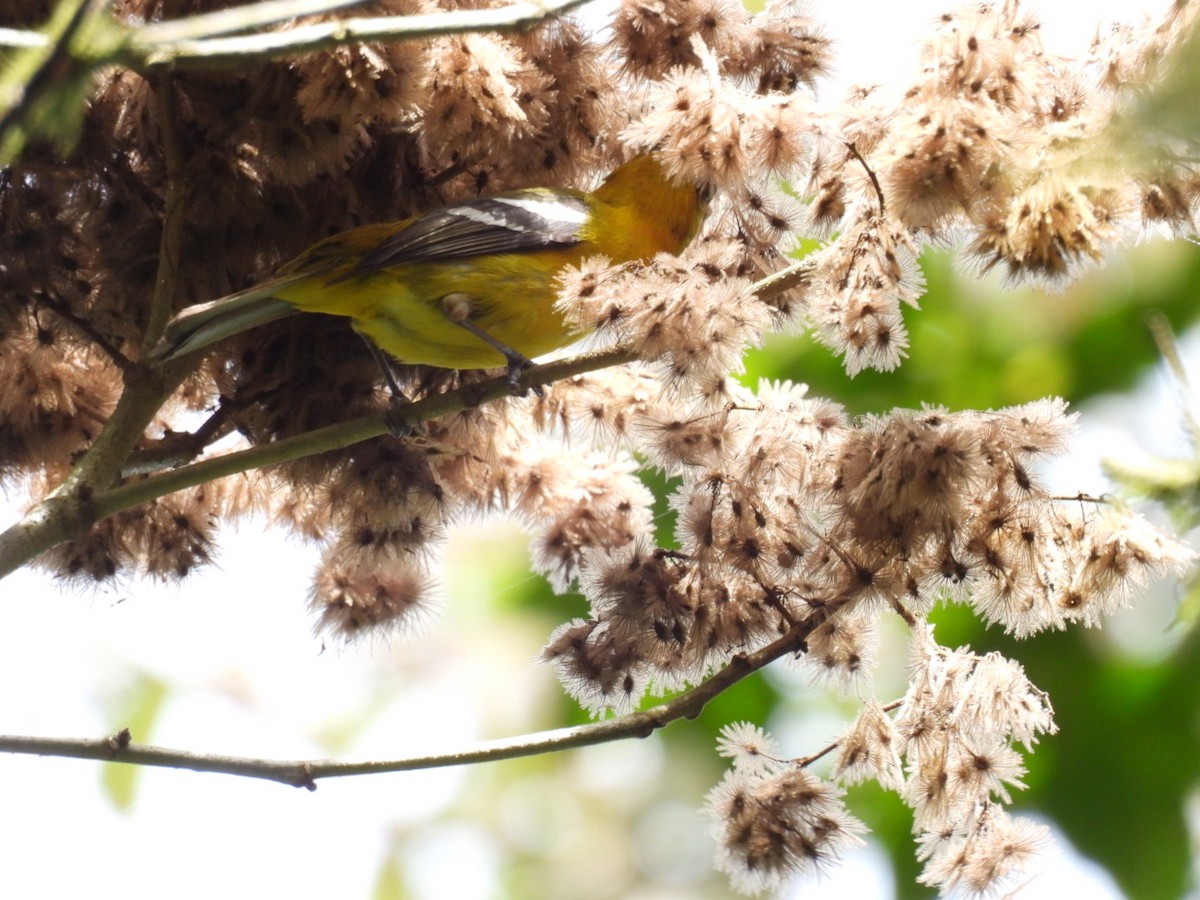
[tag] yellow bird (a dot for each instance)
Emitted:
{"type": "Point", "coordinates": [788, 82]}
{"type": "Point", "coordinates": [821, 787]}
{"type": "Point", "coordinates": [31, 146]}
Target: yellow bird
{"type": "Point", "coordinates": [467, 286]}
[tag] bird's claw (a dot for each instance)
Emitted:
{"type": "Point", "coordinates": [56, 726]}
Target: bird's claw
{"type": "Point", "coordinates": [516, 368]}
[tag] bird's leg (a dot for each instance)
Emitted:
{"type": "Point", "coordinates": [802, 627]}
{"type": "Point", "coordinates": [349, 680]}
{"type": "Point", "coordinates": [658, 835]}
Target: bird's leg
{"type": "Point", "coordinates": [457, 308]}
{"type": "Point", "coordinates": [399, 400]}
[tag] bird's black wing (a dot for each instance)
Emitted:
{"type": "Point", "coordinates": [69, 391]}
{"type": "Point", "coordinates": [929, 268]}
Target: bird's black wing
{"type": "Point", "coordinates": [514, 223]}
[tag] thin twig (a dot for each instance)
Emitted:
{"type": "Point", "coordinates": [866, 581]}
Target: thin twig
{"type": "Point", "coordinates": [304, 773]}
{"type": "Point", "coordinates": [205, 25]}
{"type": "Point", "coordinates": [451, 171]}
{"type": "Point", "coordinates": [902, 611]}
{"type": "Point", "coordinates": [170, 247]}
{"type": "Point", "coordinates": [21, 40]}
{"type": "Point", "coordinates": [176, 449]}
{"type": "Point", "coordinates": [871, 174]}
{"type": "Point", "coordinates": [805, 761]}
{"type": "Point", "coordinates": [795, 275]}
{"type": "Point", "coordinates": [86, 329]}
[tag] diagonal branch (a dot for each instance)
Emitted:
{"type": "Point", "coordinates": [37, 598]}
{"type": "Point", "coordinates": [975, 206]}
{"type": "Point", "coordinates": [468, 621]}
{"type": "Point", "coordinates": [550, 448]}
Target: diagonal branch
{"type": "Point", "coordinates": [81, 502]}
{"type": "Point", "coordinates": [344, 434]}
{"type": "Point", "coordinates": [64, 516]}
{"type": "Point", "coordinates": [175, 200]}
{"type": "Point", "coordinates": [85, 328]}
{"type": "Point", "coordinates": [304, 773]}
{"type": "Point", "coordinates": [20, 93]}
{"type": "Point", "coordinates": [146, 50]}
{"type": "Point", "coordinates": [69, 509]}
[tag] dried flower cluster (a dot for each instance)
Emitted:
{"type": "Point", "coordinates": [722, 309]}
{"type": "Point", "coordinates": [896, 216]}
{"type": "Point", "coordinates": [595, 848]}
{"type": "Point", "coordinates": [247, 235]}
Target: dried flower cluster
{"type": "Point", "coordinates": [791, 518]}
{"type": "Point", "coordinates": [771, 817]}
{"type": "Point", "coordinates": [999, 144]}
{"type": "Point", "coordinates": [947, 749]}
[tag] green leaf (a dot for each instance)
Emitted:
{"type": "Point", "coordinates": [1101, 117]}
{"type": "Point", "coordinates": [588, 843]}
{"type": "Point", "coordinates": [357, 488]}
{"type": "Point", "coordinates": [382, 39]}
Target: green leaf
{"type": "Point", "coordinates": [390, 883]}
{"type": "Point", "coordinates": [138, 709]}
{"type": "Point", "coordinates": [44, 90]}
{"type": "Point", "coordinates": [1116, 776]}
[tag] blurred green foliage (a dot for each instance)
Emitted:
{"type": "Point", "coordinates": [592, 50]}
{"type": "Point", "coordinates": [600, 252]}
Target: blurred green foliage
{"type": "Point", "coordinates": [43, 89]}
{"type": "Point", "coordinates": [138, 705]}
{"type": "Point", "coordinates": [975, 345]}
{"type": "Point", "coordinates": [1117, 775]}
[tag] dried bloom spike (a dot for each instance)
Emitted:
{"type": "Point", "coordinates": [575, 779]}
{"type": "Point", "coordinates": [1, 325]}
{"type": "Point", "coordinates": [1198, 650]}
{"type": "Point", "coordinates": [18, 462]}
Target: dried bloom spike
{"type": "Point", "coordinates": [653, 36]}
{"type": "Point", "coordinates": [956, 727]}
{"type": "Point", "coordinates": [1003, 702]}
{"type": "Point", "coordinates": [869, 750]}
{"type": "Point", "coordinates": [600, 666]}
{"type": "Point", "coordinates": [677, 312]}
{"type": "Point", "coordinates": [599, 408]}
{"type": "Point", "coordinates": [355, 84]}
{"type": "Point", "coordinates": [98, 556]}
{"type": "Point", "coordinates": [591, 502]}
{"type": "Point", "coordinates": [951, 165]}
{"type": "Point", "coordinates": [177, 534]}
{"type": "Point", "coordinates": [842, 649]}
{"type": "Point", "coordinates": [779, 135]}
{"type": "Point", "coordinates": [480, 83]}
{"type": "Point", "coordinates": [680, 443]}
{"type": "Point", "coordinates": [353, 601]}
{"type": "Point", "coordinates": [775, 822]}
{"type": "Point", "coordinates": [751, 749]}
{"type": "Point", "coordinates": [862, 278]}
{"type": "Point", "coordinates": [982, 770]}
{"type": "Point", "coordinates": [983, 854]}
{"type": "Point", "coordinates": [55, 401]}
{"type": "Point", "coordinates": [165, 539]}
{"type": "Point", "coordinates": [790, 50]}
{"type": "Point", "coordinates": [1113, 553]}
{"type": "Point", "coordinates": [1051, 227]}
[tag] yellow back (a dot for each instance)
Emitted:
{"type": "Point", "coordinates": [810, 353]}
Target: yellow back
{"type": "Point", "coordinates": [633, 215]}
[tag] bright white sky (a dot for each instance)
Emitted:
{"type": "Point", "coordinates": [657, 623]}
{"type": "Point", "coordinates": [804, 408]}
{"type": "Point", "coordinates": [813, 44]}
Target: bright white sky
{"type": "Point", "coordinates": [247, 677]}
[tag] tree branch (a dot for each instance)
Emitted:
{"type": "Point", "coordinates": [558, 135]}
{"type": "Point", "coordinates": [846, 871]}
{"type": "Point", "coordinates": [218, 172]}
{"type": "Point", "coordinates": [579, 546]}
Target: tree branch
{"type": "Point", "coordinates": [65, 515]}
{"type": "Point", "coordinates": [176, 448]}
{"type": "Point", "coordinates": [20, 92]}
{"type": "Point", "coordinates": [304, 773]}
{"type": "Point", "coordinates": [21, 40]}
{"type": "Point", "coordinates": [805, 761]}
{"type": "Point", "coordinates": [69, 510]}
{"type": "Point", "coordinates": [170, 246]}
{"type": "Point", "coordinates": [344, 434]}
{"type": "Point", "coordinates": [239, 18]}
{"type": "Point", "coordinates": [201, 41]}
{"type": "Point", "coordinates": [145, 50]}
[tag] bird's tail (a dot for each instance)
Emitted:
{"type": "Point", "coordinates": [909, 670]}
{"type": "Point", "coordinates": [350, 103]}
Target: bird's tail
{"type": "Point", "coordinates": [206, 323]}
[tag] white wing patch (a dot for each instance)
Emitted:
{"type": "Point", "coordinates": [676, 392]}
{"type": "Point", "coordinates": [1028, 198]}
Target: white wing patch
{"type": "Point", "coordinates": [516, 223]}
{"type": "Point", "coordinates": [527, 214]}
{"type": "Point", "coordinates": [548, 210]}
